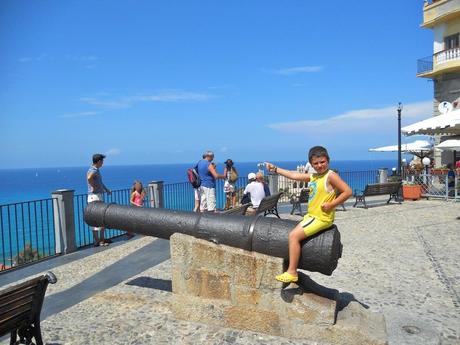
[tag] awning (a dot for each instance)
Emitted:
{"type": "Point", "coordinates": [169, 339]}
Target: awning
{"type": "Point", "coordinates": [448, 123]}
{"type": "Point", "coordinates": [449, 144]}
{"type": "Point", "coordinates": [416, 146]}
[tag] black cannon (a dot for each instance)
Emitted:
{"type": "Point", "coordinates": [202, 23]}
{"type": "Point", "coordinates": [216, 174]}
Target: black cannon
{"type": "Point", "coordinates": [320, 253]}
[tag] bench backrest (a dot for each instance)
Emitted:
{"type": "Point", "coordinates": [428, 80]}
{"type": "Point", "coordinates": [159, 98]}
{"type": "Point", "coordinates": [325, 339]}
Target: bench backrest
{"type": "Point", "coordinates": [237, 210]}
{"type": "Point", "coordinates": [21, 304]}
{"type": "Point", "coordinates": [269, 202]}
{"type": "Point", "coordinates": [382, 188]}
{"type": "Point", "coordinates": [304, 193]}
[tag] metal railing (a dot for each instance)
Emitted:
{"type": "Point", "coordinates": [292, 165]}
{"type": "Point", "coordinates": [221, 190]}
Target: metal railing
{"type": "Point", "coordinates": [28, 229]}
{"type": "Point", "coordinates": [437, 186]}
{"type": "Point", "coordinates": [27, 232]}
{"type": "Point", "coordinates": [181, 196]}
{"type": "Point", "coordinates": [357, 180]}
{"type": "Point", "coordinates": [425, 65]}
{"type": "Point", "coordinates": [83, 233]}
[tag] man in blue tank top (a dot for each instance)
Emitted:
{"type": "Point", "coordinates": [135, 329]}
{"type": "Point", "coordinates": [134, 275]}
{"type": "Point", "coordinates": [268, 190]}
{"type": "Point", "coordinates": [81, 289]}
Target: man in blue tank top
{"type": "Point", "coordinates": [208, 176]}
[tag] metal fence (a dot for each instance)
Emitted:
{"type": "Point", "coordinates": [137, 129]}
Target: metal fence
{"type": "Point", "coordinates": [437, 186]}
{"type": "Point", "coordinates": [181, 196]}
{"type": "Point", "coordinates": [27, 232]}
{"type": "Point", "coordinates": [83, 233]}
{"type": "Point", "coordinates": [357, 180]}
{"type": "Point", "coordinates": [425, 65]}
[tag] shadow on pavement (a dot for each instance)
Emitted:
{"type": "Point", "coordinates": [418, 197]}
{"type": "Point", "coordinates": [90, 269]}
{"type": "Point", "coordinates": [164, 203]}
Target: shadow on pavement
{"type": "Point", "coordinates": [306, 284]}
{"type": "Point", "coordinates": [152, 283]}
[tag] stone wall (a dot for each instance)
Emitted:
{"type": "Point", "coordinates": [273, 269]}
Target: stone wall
{"type": "Point", "coordinates": [231, 287]}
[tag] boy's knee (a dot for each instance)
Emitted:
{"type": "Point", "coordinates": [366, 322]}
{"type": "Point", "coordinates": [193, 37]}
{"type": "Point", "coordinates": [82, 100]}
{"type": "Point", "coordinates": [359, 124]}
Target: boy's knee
{"type": "Point", "coordinates": [296, 235]}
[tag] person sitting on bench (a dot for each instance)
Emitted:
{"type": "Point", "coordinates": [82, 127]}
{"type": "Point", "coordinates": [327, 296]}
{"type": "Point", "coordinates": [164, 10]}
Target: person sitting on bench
{"type": "Point", "coordinates": [256, 192]}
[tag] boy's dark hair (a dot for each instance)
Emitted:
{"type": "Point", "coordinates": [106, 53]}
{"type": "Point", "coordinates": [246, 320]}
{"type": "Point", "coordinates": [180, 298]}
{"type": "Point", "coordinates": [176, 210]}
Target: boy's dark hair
{"type": "Point", "coordinates": [317, 151]}
{"type": "Point", "coordinates": [98, 157]}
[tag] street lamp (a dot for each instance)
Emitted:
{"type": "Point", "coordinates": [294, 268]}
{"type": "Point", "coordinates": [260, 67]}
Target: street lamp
{"type": "Point", "coordinates": [426, 162]}
{"type": "Point", "coordinates": [400, 107]}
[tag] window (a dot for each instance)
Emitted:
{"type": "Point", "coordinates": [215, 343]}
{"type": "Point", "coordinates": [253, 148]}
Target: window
{"type": "Point", "coordinates": [451, 42]}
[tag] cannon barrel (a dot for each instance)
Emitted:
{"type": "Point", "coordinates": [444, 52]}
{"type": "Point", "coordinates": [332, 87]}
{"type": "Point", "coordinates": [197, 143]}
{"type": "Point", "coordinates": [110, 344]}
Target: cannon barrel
{"type": "Point", "coordinates": [320, 253]}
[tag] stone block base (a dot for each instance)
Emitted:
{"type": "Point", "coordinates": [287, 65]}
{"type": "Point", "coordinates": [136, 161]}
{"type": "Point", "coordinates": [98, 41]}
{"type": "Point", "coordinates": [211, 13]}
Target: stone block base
{"type": "Point", "coordinates": [231, 287]}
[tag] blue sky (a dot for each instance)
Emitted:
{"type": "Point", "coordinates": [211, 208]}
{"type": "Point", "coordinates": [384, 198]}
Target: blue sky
{"type": "Point", "coordinates": [162, 81]}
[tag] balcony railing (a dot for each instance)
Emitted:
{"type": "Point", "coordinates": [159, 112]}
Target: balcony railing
{"type": "Point", "coordinates": [446, 56]}
{"type": "Point", "coordinates": [427, 64]}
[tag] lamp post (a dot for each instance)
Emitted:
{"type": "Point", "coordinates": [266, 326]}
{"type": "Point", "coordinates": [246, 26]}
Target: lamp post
{"type": "Point", "coordinates": [426, 162]}
{"type": "Point", "coordinates": [400, 107]}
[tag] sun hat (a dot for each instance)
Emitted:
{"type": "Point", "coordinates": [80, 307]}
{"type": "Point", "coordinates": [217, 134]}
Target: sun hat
{"type": "Point", "coordinates": [251, 176]}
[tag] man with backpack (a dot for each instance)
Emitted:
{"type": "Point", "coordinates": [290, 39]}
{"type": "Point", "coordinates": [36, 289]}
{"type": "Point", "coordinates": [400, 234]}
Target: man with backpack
{"type": "Point", "coordinates": [208, 176]}
{"type": "Point", "coordinates": [195, 181]}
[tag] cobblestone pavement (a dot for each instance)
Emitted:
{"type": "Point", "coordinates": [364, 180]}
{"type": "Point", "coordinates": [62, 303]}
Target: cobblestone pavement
{"type": "Point", "coordinates": [399, 260]}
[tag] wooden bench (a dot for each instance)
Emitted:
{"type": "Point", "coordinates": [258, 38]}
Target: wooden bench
{"type": "Point", "coordinates": [241, 209]}
{"type": "Point", "coordinates": [269, 205]}
{"type": "Point", "coordinates": [20, 308]}
{"type": "Point", "coordinates": [391, 188]}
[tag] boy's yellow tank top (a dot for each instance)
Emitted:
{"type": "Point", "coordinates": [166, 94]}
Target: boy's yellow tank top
{"type": "Point", "coordinates": [319, 195]}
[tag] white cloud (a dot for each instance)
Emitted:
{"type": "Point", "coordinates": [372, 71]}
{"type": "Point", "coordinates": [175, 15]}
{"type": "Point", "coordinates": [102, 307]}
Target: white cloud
{"type": "Point", "coordinates": [88, 59]}
{"type": "Point", "coordinates": [117, 104]}
{"type": "Point", "coordinates": [85, 58]}
{"type": "Point", "coordinates": [113, 152]}
{"type": "Point", "coordinates": [34, 58]}
{"type": "Point", "coordinates": [297, 70]}
{"type": "Point", "coordinates": [372, 120]}
{"type": "Point", "coordinates": [170, 96]}
{"type": "Point", "coordinates": [80, 114]}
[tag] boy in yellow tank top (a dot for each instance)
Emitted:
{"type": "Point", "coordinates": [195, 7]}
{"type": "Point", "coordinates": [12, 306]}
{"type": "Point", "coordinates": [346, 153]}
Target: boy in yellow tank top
{"type": "Point", "coordinates": [324, 187]}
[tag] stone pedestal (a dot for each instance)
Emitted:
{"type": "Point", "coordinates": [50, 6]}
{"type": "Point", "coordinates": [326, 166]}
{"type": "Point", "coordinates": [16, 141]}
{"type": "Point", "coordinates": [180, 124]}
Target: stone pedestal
{"type": "Point", "coordinates": [231, 287]}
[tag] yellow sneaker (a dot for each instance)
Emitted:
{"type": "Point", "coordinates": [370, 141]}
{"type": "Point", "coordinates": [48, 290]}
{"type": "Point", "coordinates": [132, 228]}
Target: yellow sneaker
{"type": "Point", "coordinates": [287, 278]}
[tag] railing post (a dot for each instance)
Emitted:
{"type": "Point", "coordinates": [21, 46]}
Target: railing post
{"type": "Point", "coordinates": [273, 183]}
{"type": "Point", "coordinates": [155, 189]}
{"type": "Point", "coordinates": [64, 226]}
{"type": "Point", "coordinates": [446, 187]}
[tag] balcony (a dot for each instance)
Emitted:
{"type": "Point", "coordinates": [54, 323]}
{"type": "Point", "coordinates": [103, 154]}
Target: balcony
{"type": "Point", "coordinates": [440, 11]}
{"type": "Point", "coordinates": [441, 62]}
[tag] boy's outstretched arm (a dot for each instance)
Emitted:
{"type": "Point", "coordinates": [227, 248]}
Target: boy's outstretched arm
{"type": "Point", "coordinates": [344, 192]}
{"type": "Point", "coordinates": [293, 175]}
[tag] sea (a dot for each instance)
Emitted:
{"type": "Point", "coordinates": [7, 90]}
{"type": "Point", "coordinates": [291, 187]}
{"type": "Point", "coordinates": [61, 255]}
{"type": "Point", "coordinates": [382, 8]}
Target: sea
{"type": "Point", "coordinates": [19, 185]}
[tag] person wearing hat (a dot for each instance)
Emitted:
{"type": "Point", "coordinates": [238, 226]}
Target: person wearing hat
{"type": "Point", "coordinates": [256, 191]}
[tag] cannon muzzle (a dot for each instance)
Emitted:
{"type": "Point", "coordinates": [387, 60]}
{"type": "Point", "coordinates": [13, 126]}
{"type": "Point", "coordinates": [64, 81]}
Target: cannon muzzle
{"type": "Point", "coordinates": [320, 253]}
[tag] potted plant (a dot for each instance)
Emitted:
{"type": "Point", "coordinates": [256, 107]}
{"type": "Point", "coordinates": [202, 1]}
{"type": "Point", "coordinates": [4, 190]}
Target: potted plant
{"type": "Point", "coordinates": [412, 191]}
{"type": "Point", "coordinates": [439, 171]}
